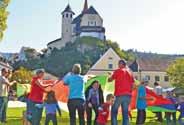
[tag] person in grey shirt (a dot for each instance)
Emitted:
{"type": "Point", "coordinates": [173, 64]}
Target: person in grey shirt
{"type": "Point", "coordinates": [4, 88]}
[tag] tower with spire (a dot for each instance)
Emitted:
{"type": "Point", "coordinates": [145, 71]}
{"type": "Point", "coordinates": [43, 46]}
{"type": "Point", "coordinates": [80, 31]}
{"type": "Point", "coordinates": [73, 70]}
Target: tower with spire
{"type": "Point", "coordinates": [87, 23]}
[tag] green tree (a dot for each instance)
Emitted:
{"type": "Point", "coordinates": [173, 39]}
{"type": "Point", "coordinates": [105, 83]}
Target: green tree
{"type": "Point", "coordinates": [176, 73]}
{"type": "Point", "coordinates": [22, 75]}
{"type": "Point", "coordinates": [3, 16]}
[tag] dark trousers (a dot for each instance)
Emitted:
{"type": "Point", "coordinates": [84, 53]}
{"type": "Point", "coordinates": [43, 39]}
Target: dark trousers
{"type": "Point", "coordinates": [73, 106]}
{"type": "Point", "coordinates": [159, 116]}
{"type": "Point", "coordinates": [141, 117]}
{"type": "Point", "coordinates": [34, 114]}
{"type": "Point", "coordinates": [3, 108]}
{"type": "Point", "coordinates": [51, 117]}
{"type": "Point", "coordinates": [89, 113]}
{"type": "Point", "coordinates": [170, 118]}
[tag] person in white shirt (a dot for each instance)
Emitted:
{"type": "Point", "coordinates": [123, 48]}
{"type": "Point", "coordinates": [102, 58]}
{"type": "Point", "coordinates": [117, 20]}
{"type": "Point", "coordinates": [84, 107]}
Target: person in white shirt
{"type": "Point", "coordinates": [158, 90]}
{"type": "Point", "coordinates": [4, 88]}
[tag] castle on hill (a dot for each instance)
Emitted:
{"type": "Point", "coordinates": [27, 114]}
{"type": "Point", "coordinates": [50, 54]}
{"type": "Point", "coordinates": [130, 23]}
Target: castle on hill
{"type": "Point", "coordinates": [87, 23]}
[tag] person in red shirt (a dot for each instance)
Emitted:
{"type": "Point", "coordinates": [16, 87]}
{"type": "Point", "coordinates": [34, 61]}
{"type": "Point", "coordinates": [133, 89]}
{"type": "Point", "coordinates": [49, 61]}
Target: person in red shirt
{"type": "Point", "coordinates": [124, 81]}
{"type": "Point", "coordinates": [103, 111]}
{"type": "Point", "coordinates": [34, 114]}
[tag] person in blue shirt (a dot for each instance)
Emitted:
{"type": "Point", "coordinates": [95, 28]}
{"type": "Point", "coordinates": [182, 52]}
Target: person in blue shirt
{"type": "Point", "coordinates": [141, 103]}
{"type": "Point", "coordinates": [76, 102]}
{"type": "Point", "coordinates": [51, 107]}
{"type": "Point", "coordinates": [94, 99]}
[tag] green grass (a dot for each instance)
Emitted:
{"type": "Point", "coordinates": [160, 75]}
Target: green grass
{"type": "Point", "coordinates": [15, 118]}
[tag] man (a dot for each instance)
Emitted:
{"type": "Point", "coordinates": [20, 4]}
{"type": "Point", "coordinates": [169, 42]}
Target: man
{"type": "Point", "coordinates": [158, 91]}
{"type": "Point", "coordinates": [4, 88]}
{"type": "Point", "coordinates": [123, 88]}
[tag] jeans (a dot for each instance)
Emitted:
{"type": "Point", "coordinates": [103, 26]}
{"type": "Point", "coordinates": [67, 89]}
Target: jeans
{"type": "Point", "coordinates": [3, 108]}
{"type": "Point", "coordinates": [141, 117]}
{"type": "Point", "coordinates": [89, 113]}
{"type": "Point", "coordinates": [51, 117]}
{"type": "Point", "coordinates": [124, 101]}
{"type": "Point", "coordinates": [73, 106]}
{"type": "Point", "coordinates": [34, 114]}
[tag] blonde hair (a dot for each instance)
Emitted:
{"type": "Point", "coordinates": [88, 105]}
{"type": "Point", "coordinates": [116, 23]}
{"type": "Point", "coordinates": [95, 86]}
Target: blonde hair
{"type": "Point", "coordinates": [76, 69]}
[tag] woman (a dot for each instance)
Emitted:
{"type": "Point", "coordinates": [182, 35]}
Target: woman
{"type": "Point", "coordinates": [94, 99]}
{"type": "Point", "coordinates": [76, 101]}
{"type": "Point", "coordinates": [34, 114]}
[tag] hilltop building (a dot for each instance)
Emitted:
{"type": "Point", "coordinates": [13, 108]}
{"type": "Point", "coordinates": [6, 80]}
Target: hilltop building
{"type": "Point", "coordinates": [87, 23]}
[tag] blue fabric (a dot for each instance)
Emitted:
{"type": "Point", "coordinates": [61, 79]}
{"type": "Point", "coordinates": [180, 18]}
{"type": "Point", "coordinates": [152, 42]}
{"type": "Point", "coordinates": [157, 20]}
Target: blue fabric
{"type": "Point", "coordinates": [141, 101]}
{"type": "Point", "coordinates": [124, 101]}
{"type": "Point", "coordinates": [76, 85]}
{"type": "Point", "coordinates": [51, 108]}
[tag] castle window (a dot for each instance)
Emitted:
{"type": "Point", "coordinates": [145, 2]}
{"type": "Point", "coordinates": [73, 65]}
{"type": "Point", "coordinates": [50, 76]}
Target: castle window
{"type": "Point", "coordinates": [63, 15]}
{"type": "Point", "coordinates": [95, 23]}
{"type": "Point", "coordinates": [157, 78]}
{"type": "Point", "coordinates": [88, 23]}
{"type": "Point", "coordinates": [92, 23]}
{"type": "Point", "coordinates": [110, 66]}
{"type": "Point", "coordinates": [70, 15]}
{"type": "Point", "coordinates": [67, 15]}
{"type": "Point", "coordinates": [147, 77]}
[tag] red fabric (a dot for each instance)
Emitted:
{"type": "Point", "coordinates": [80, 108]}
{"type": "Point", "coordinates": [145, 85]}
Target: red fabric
{"type": "Point", "coordinates": [156, 99]}
{"type": "Point", "coordinates": [36, 93]}
{"type": "Point", "coordinates": [123, 82]}
{"type": "Point", "coordinates": [103, 118]}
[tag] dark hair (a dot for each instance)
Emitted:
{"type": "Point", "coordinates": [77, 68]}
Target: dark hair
{"type": "Point", "coordinates": [50, 98]}
{"type": "Point", "coordinates": [122, 61]}
{"type": "Point", "coordinates": [4, 70]}
{"type": "Point", "coordinates": [109, 97]}
{"type": "Point", "coordinates": [99, 89]}
{"type": "Point", "coordinates": [156, 84]}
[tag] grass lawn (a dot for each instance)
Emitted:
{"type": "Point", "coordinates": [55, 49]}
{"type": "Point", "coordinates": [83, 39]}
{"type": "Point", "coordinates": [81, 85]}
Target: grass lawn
{"type": "Point", "coordinates": [15, 118]}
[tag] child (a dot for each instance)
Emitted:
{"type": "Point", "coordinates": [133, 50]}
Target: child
{"type": "Point", "coordinates": [141, 103]}
{"type": "Point", "coordinates": [94, 98]}
{"type": "Point", "coordinates": [168, 115]}
{"type": "Point", "coordinates": [103, 111]}
{"type": "Point", "coordinates": [51, 106]}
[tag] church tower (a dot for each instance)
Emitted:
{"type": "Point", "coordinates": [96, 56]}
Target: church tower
{"type": "Point", "coordinates": [67, 18]}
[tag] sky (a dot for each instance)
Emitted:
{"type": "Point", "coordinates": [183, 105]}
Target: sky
{"type": "Point", "coordinates": [145, 25]}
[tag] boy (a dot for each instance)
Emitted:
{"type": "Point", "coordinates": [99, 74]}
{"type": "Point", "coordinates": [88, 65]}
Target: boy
{"type": "Point", "coordinates": [141, 103]}
{"type": "Point", "coordinates": [103, 111]}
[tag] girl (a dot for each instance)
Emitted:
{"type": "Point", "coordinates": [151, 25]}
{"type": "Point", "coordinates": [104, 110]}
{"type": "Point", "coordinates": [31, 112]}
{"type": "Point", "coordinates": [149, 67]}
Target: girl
{"type": "Point", "coordinates": [94, 96]}
{"type": "Point", "coordinates": [51, 107]}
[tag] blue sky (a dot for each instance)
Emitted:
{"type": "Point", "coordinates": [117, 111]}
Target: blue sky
{"type": "Point", "coordinates": [145, 25]}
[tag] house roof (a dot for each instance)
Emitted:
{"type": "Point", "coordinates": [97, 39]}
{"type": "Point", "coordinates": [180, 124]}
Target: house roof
{"type": "Point", "coordinates": [77, 19]}
{"type": "Point", "coordinates": [91, 10]}
{"type": "Point", "coordinates": [68, 9]}
{"type": "Point", "coordinates": [151, 64]}
{"type": "Point", "coordinates": [54, 41]}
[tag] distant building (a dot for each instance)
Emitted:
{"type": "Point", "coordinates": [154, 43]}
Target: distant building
{"type": "Point", "coordinates": [87, 23]}
{"type": "Point", "coordinates": [153, 69]}
{"type": "Point", "coordinates": [4, 64]}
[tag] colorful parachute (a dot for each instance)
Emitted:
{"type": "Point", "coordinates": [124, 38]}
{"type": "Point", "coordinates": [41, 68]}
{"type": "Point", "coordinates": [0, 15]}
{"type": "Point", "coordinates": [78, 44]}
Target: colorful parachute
{"type": "Point", "coordinates": [157, 103]}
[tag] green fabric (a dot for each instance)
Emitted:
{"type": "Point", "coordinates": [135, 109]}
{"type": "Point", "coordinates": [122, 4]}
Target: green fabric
{"type": "Point", "coordinates": [103, 80]}
{"type": "Point", "coordinates": [158, 109]}
{"type": "Point", "coordinates": [22, 89]}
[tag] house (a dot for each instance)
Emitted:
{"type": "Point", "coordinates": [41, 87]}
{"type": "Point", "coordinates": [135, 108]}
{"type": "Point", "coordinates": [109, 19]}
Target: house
{"type": "Point", "coordinates": [87, 23]}
{"type": "Point", "coordinates": [107, 63]}
{"type": "Point", "coordinates": [4, 64]}
{"type": "Point", "coordinates": [154, 69]}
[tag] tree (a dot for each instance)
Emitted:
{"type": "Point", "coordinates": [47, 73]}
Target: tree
{"type": "Point", "coordinates": [3, 16]}
{"type": "Point", "coordinates": [176, 73]}
{"type": "Point", "coordinates": [22, 75]}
